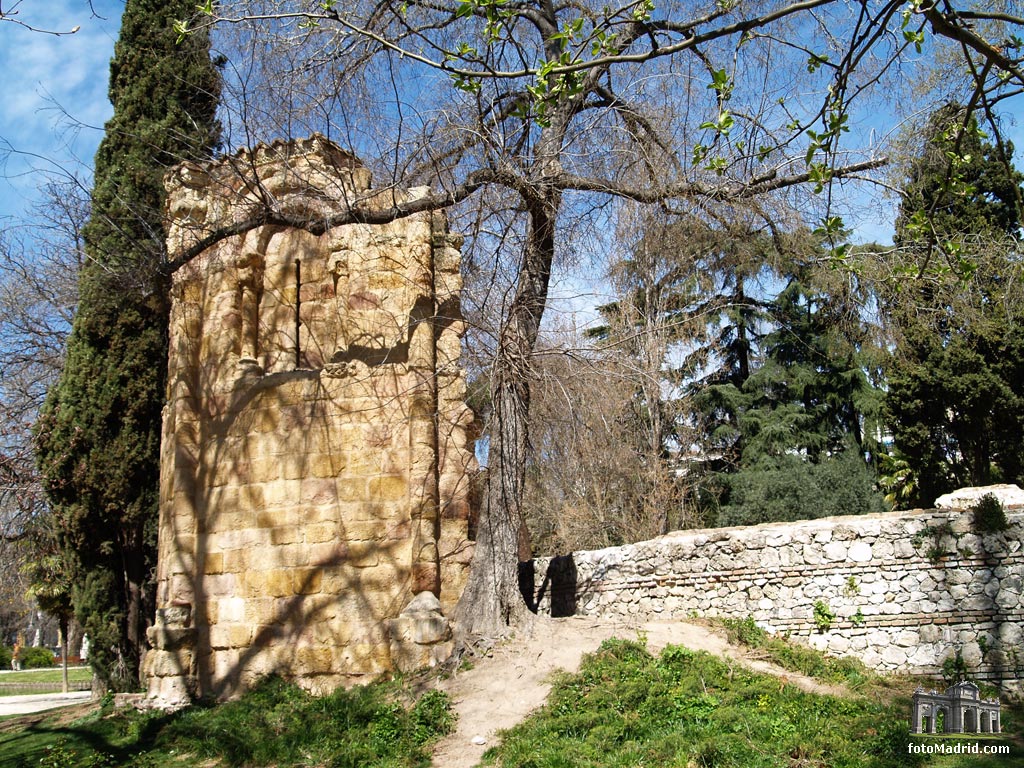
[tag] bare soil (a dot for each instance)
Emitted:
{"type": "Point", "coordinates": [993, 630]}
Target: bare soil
{"type": "Point", "coordinates": [509, 679]}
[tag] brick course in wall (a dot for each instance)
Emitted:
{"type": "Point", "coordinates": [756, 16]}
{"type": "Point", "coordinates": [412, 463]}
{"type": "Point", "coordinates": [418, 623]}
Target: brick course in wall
{"type": "Point", "coordinates": [907, 590]}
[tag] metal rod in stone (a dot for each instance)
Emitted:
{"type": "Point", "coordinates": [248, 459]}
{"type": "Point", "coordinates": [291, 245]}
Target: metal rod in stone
{"type": "Point", "coordinates": [298, 307]}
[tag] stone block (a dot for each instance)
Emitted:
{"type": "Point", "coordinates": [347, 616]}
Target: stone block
{"type": "Point", "coordinates": [860, 552]}
{"type": "Point", "coordinates": [388, 488]}
{"type": "Point", "coordinates": [965, 498]}
{"type": "Point", "coordinates": [835, 551]}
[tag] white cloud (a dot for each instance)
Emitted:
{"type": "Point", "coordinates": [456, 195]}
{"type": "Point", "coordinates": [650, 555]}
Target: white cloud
{"type": "Point", "coordinates": [51, 84]}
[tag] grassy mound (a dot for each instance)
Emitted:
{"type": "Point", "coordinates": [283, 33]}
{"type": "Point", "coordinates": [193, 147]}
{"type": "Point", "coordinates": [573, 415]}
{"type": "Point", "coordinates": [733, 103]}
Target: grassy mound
{"type": "Point", "coordinates": [684, 708]}
{"type": "Point", "coordinates": [276, 724]}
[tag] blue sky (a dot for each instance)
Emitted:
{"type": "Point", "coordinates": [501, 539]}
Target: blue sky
{"type": "Point", "coordinates": [54, 99]}
{"type": "Point", "coordinates": [55, 103]}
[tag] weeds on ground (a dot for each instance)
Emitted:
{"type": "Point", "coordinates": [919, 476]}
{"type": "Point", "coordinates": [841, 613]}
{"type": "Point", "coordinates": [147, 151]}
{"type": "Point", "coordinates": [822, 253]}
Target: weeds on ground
{"type": "Point", "coordinates": [628, 708]}
{"type": "Point", "coordinates": [798, 658]}
{"type": "Point", "coordinates": [276, 724]}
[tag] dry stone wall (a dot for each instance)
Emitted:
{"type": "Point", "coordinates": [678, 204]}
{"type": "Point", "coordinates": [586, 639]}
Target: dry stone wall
{"type": "Point", "coordinates": [905, 591]}
{"type": "Point", "coordinates": [316, 454]}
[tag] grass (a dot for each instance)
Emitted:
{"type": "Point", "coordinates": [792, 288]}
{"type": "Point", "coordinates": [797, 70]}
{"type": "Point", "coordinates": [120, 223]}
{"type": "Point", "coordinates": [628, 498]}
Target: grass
{"type": "Point", "coordinates": [686, 709]}
{"type": "Point", "coordinates": [276, 724]}
{"type": "Point", "coordinates": [50, 675]}
{"type": "Point", "coordinates": [626, 707]}
{"type": "Point", "coordinates": [800, 658]}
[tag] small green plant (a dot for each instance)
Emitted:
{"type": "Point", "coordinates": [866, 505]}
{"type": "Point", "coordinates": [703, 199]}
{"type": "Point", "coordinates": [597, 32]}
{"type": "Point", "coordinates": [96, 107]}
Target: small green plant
{"type": "Point", "coordinates": [989, 515]}
{"type": "Point", "coordinates": [852, 588]}
{"type": "Point", "coordinates": [60, 755]}
{"type": "Point", "coordinates": [983, 645]}
{"type": "Point", "coordinates": [936, 533]}
{"type": "Point", "coordinates": [857, 618]}
{"type": "Point", "coordinates": [823, 616]}
{"type": "Point", "coordinates": [795, 656]}
{"type": "Point", "coordinates": [954, 668]}
{"type": "Point", "coordinates": [745, 631]}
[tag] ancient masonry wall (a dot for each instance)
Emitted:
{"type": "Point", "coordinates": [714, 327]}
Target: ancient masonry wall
{"type": "Point", "coordinates": [316, 457]}
{"type": "Point", "coordinates": [907, 590]}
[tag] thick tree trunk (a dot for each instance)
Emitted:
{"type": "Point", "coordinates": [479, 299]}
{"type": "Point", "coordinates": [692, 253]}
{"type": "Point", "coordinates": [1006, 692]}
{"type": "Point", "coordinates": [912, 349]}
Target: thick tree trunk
{"type": "Point", "coordinates": [492, 601]}
{"type": "Point", "coordinates": [137, 611]}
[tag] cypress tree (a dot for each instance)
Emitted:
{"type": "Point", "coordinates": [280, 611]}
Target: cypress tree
{"type": "Point", "coordinates": [99, 433]}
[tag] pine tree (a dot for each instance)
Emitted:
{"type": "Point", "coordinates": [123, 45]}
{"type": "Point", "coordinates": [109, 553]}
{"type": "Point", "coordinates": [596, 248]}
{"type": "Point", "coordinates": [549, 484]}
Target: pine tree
{"type": "Point", "coordinates": [802, 422]}
{"type": "Point", "coordinates": [99, 434]}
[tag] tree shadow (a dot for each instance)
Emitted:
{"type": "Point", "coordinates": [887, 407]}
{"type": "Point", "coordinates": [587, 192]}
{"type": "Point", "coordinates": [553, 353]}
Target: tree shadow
{"type": "Point", "coordinates": [316, 459]}
{"type": "Point", "coordinates": [559, 586]}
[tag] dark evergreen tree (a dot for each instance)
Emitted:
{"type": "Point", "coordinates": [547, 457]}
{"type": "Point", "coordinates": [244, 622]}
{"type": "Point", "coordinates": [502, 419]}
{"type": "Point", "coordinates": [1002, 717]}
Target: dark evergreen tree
{"type": "Point", "coordinates": [812, 396]}
{"type": "Point", "coordinates": [805, 416]}
{"type": "Point", "coordinates": [99, 434]}
{"type": "Point", "coordinates": [685, 314]}
{"type": "Point", "coordinates": [956, 398]}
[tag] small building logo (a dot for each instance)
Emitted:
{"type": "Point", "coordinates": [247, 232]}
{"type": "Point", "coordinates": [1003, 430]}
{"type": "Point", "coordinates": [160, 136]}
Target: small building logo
{"type": "Point", "coordinates": [961, 709]}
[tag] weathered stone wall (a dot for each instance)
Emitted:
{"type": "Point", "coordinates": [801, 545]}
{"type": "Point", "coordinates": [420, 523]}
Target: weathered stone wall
{"type": "Point", "coordinates": [316, 458]}
{"type": "Point", "coordinates": [907, 590]}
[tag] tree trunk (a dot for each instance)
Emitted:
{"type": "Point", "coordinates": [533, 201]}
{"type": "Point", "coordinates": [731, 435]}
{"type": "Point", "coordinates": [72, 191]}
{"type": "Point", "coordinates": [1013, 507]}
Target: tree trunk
{"type": "Point", "coordinates": [63, 630]}
{"type": "Point", "coordinates": [492, 601]}
{"type": "Point", "coordinates": [136, 610]}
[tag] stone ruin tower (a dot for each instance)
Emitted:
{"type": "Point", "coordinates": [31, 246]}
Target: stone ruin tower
{"type": "Point", "coordinates": [316, 454]}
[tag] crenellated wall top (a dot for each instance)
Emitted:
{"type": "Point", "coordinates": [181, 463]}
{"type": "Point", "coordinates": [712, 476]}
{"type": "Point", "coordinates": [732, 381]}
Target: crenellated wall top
{"type": "Point", "coordinates": [311, 178]}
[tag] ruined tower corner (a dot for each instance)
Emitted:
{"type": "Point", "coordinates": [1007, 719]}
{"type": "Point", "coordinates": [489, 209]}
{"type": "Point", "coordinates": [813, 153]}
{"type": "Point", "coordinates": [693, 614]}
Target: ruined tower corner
{"type": "Point", "coordinates": [317, 451]}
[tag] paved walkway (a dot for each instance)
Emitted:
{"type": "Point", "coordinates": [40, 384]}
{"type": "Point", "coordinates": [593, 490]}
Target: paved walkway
{"type": "Point", "coordinates": [37, 702]}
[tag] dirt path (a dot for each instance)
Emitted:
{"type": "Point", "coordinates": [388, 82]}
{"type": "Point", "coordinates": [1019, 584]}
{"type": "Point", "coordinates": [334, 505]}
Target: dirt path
{"type": "Point", "coordinates": [505, 686]}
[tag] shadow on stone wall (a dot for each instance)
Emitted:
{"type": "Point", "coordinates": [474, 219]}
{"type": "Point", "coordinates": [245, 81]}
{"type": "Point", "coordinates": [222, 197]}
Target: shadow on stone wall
{"type": "Point", "coordinates": [559, 585]}
{"type": "Point", "coordinates": [315, 458]}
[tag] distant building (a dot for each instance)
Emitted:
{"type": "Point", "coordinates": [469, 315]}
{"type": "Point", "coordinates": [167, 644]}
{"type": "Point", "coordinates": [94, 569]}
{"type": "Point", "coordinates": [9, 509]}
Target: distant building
{"type": "Point", "coordinates": [961, 709]}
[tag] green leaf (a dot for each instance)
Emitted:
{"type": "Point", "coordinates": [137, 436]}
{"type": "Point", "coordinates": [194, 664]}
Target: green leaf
{"type": "Point", "coordinates": [181, 27]}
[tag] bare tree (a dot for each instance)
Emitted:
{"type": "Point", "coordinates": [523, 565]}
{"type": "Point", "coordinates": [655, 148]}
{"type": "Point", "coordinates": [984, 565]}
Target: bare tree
{"type": "Point", "coordinates": [11, 13]}
{"type": "Point", "coordinates": [38, 294]}
{"type": "Point", "coordinates": [539, 113]}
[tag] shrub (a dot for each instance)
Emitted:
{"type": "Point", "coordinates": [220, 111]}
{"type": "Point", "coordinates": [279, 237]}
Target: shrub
{"type": "Point", "coordinates": [37, 658]}
{"type": "Point", "coordinates": [989, 515]}
{"type": "Point", "coordinates": [790, 488]}
{"type": "Point", "coordinates": [5, 657]}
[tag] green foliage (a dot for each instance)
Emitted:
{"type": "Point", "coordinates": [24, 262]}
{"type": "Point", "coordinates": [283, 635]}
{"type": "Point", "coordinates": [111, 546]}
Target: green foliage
{"type": "Point", "coordinates": [989, 515]}
{"type": "Point", "coordinates": [956, 397]}
{"type": "Point", "coordinates": [279, 724]}
{"type": "Point", "coordinates": [957, 410]}
{"type": "Point", "coordinates": [60, 755]}
{"type": "Point", "coordinates": [823, 615]}
{"type": "Point", "coordinates": [37, 658]}
{"type": "Point", "coordinates": [851, 588]}
{"type": "Point", "coordinates": [794, 418]}
{"type": "Point", "coordinates": [933, 536]}
{"type": "Point", "coordinates": [6, 654]}
{"type": "Point", "coordinates": [796, 657]}
{"type": "Point", "coordinates": [99, 433]}
{"type": "Point", "coordinates": [628, 708]}
{"type": "Point", "coordinates": [745, 631]}
{"type": "Point", "coordinates": [954, 668]}
{"type": "Point", "coordinates": [275, 724]}
{"type": "Point", "coordinates": [789, 487]}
